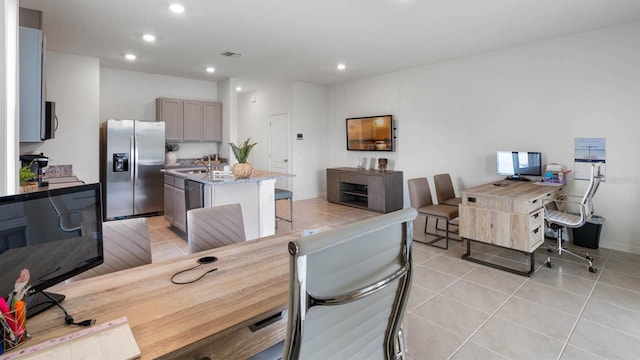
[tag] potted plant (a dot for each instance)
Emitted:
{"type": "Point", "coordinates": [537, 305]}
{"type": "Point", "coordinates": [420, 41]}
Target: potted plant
{"type": "Point", "coordinates": [28, 179]}
{"type": "Point", "coordinates": [171, 158]}
{"type": "Point", "coordinates": [242, 169]}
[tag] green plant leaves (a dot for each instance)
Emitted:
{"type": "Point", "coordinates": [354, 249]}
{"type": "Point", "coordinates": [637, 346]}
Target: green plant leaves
{"type": "Point", "coordinates": [242, 152]}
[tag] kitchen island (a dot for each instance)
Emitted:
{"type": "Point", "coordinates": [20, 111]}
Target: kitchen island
{"type": "Point", "coordinates": [255, 194]}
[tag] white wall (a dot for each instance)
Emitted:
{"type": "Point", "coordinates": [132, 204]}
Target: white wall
{"type": "Point", "coordinates": [72, 81]}
{"type": "Point", "coordinates": [228, 96]}
{"type": "Point", "coordinates": [309, 156]}
{"type": "Point", "coordinates": [9, 109]}
{"type": "Point", "coordinates": [253, 119]}
{"type": "Point", "coordinates": [307, 106]}
{"type": "Point", "coordinates": [454, 115]}
{"type": "Point", "coordinates": [380, 95]}
{"type": "Point", "coordinates": [132, 95]}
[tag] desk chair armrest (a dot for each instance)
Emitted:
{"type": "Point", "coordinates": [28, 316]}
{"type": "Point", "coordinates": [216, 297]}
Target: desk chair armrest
{"type": "Point", "coordinates": [573, 196]}
{"type": "Point", "coordinates": [557, 206]}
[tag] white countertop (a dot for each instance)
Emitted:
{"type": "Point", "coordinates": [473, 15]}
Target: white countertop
{"type": "Point", "coordinates": [222, 178]}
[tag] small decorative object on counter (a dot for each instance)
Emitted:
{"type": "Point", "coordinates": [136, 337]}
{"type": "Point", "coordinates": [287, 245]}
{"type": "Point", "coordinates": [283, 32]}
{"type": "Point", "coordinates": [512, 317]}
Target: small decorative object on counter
{"type": "Point", "coordinates": [171, 158]}
{"type": "Point", "coordinates": [13, 315]}
{"type": "Point", "coordinates": [362, 163]}
{"type": "Point", "coordinates": [242, 169]}
{"type": "Point", "coordinates": [28, 179]}
{"type": "Point", "coordinates": [554, 173]}
{"type": "Point", "coordinates": [382, 164]}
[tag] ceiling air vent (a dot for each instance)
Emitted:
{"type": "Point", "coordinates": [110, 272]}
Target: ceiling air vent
{"type": "Point", "coordinates": [231, 54]}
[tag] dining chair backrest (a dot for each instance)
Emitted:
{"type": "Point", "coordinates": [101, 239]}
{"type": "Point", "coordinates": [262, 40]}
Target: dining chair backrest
{"type": "Point", "coordinates": [444, 188]}
{"type": "Point", "coordinates": [348, 289]}
{"type": "Point", "coordinates": [213, 227]}
{"type": "Point", "coordinates": [419, 192]}
{"type": "Point", "coordinates": [126, 244]}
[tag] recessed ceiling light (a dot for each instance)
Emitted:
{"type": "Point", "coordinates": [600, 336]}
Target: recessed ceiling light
{"type": "Point", "coordinates": [176, 8]}
{"type": "Point", "coordinates": [341, 66]}
{"type": "Point", "coordinates": [210, 69]}
{"type": "Point", "coordinates": [149, 37]}
{"type": "Point", "coordinates": [130, 57]}
{"type": "Point", "coordinates": [238, 88]}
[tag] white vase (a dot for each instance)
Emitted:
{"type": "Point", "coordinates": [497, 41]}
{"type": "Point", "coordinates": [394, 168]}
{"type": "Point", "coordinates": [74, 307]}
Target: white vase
{"type": "Point", "coordinates": [171, 158]}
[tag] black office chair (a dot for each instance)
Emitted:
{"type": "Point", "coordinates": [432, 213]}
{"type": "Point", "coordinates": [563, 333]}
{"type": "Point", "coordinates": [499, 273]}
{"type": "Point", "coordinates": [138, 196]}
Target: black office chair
{"type": "Point", "coordinates": [557, 214]}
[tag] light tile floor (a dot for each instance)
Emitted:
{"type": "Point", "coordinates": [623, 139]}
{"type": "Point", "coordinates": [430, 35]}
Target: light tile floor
{"type": "Point", "coordinates": [463, 310]}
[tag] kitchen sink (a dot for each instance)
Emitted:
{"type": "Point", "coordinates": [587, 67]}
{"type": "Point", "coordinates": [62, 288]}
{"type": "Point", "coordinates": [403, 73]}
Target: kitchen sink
{"type": "Point", "coordinates": [192, 171]}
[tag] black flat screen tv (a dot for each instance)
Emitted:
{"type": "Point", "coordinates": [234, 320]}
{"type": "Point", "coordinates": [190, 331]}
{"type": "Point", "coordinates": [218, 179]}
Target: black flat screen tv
{"type": "Point", "coordinates": [372, 133]}
{"type": "Point", "coordinates": [55, 234]}
{"type": "Point", "coordinates": [517, 164]}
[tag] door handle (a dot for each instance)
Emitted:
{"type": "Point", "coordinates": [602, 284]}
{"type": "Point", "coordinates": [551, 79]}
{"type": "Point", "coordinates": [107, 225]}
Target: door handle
{"type": "Point", "coordinates": [286, 160]}
{"type": "Point", "coordinates": [132, 153]}
{"type": "Point", "coordinates": [136, 157]}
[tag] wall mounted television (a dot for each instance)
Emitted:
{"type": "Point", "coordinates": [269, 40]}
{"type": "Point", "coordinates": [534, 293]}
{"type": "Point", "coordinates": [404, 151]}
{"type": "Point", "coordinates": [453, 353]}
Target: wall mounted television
{"type": "Point", "coordinates": [56, 234]}
{"type": "Point", "coordinates": [372, 133]}
{"type": "Point", "coordinates": [517, 164]}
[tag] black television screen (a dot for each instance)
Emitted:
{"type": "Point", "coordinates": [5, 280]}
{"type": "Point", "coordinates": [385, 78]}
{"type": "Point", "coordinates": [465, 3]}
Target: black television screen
{"type": "Point", "coordinates": [373, 133]}
{"type": "Point", "coordinates": [518, 163]}
{"type": "Point", "coordinates": [55, 234]}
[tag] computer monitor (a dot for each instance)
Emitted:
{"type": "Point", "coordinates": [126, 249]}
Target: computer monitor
{"type": "Point", "coordinates": [56, 234]}
{"type": "Point", "coordinates": [517, 164]}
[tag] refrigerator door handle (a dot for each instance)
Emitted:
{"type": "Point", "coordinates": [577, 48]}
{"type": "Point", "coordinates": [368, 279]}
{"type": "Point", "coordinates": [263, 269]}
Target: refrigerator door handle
{"type": "Point", "coordinates": [135, 142]}
{"type": "Point", "coordinates": [135, 162]}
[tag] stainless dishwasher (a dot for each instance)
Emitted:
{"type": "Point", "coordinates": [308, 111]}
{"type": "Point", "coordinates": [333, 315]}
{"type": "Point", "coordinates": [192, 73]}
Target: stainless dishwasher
{"type": "Point", "coordinates": [193, 194]}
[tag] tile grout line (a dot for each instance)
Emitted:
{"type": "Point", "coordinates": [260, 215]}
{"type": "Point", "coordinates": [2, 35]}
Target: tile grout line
{"type": "Point", "coordinates": [491, 316]}
{"type": "Point", "coordinates": [584, 306]}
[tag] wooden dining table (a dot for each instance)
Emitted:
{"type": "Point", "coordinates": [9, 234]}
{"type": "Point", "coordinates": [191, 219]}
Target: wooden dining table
{"type": "Point", "coordinates": [231, 313]}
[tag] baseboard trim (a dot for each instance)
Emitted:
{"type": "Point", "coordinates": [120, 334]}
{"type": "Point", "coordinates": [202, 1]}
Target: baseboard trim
{"type": "Point", "coordinates": [619, 246]}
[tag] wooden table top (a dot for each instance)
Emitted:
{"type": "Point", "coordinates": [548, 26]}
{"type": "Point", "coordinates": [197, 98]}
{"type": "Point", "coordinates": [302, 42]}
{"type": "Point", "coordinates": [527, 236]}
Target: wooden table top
{"type": "Point", "coordinates": [524, 190]}
{"type": "Point", "coordinates": [251, 280]}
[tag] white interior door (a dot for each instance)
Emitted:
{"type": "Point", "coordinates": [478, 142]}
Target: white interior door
{"type": "Point", "coordinates": [279, 148]}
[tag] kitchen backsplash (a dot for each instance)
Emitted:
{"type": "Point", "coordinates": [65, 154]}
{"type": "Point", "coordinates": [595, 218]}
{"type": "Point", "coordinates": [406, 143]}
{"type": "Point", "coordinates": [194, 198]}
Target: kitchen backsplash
{"type": "Point", "coordinates": [188, 162]}
{"type": "Point", "coordinates": [196, 150]}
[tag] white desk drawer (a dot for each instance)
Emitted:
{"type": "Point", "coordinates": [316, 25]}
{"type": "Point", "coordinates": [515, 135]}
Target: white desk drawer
{"type": "Point", "coordinates": [527, 206]}
{"type": "Point", "coordinates": [488, 202]}
{"type": "Point", "coordinates": [536, 219]}
{"type": "Point", "coordinates": [536, 237]}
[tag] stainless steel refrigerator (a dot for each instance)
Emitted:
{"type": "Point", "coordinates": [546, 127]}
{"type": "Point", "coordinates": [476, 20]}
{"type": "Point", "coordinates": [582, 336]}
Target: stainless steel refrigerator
{"type": "Point", "coordinates": [132, 155]}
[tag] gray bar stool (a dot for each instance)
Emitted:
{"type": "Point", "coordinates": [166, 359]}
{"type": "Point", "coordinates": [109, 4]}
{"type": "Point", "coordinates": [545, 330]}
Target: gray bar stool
{"type": "Point", "coordinates": [282, 194]}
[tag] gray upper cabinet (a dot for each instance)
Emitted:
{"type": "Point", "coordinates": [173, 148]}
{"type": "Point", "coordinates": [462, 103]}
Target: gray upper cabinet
{"type": "Point", "coordinates": [188, 120]}
{"type": "Point", "coordinates": [212, 115]}
{"type": "Point", "coordinates": [170, 111]}
{"type": "Point", "coordinates": [31, 84]}
{"type": "Point", "coordinates": [192, 117]}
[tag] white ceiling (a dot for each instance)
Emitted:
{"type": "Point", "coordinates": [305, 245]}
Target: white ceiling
{"type": "Point", "coordinates": [283, 40]}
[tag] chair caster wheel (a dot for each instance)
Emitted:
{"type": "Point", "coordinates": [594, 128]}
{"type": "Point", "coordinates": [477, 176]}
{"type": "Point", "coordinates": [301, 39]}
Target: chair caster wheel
{"type": "Point", "coordinates": [588, 258]}
{"type": "Point", "coordinates": [550, 264]}
{"type": "Point", "coordinates": [592, 269]}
